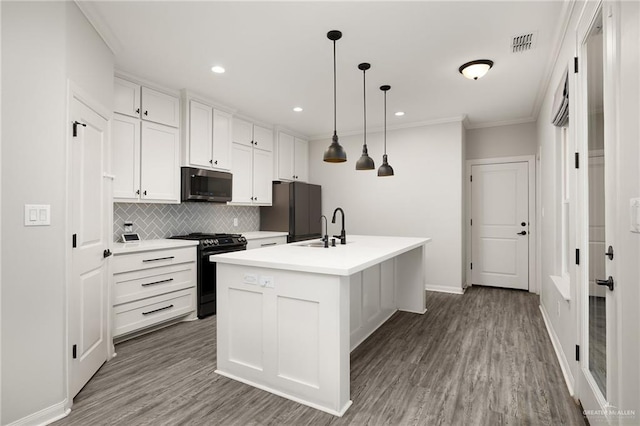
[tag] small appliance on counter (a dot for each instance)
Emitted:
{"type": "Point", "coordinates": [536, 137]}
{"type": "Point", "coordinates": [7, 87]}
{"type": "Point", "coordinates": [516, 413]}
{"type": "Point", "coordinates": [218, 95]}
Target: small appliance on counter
{"type": "Point", "coordinates": [296, 209]}
{"type": "Point", "coordinates": [211, 244]}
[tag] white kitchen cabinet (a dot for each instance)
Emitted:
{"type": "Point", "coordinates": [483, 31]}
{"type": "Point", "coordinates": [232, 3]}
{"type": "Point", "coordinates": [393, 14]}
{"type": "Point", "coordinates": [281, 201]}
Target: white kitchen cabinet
{"type": "Point", "coordinates": [125, 162]}
{"type": "Point", "coordinates": [160, 163]}
{"type": "Point", "coordinates": [145, 161]}
{"type": "Point", "coordinates": [126, 97]}
{"type": "Point", "coordinates": [252, 170]}
{"type": "Point", "coordinates": [247, 133]}
{"type": "Point", "coordinates": [252, 163]}
{"type": "Point", "coordinates": [292, 158]}
{"type": "Point", "coordinates": [253, 243]}
{"type": "Point", "coordinates": [151, 287]}
{"type": "Point", "coordinates": [208, 142]}
{"type": "Point", "coordinates": [138, 101]}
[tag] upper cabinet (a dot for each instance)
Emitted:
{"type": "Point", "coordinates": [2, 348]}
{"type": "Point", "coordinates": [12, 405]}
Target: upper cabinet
{"type": "Point", "coordinates": [147, 104]}
{"type": "Point", "coordinates": [252, 163]}
{"type": "Point", "coordinates": [292, 158]}
{"type": "Point", "coordinates": [207, 143]}
{"type": "Point", "coordinates": [145, 148]}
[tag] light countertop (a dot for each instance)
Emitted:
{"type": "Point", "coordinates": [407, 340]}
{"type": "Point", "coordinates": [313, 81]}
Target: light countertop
{"type": "Point", "coordinates": [256, 235]}
{"type": "Point", "coordinates": [147, 245]}
{"type": "Point", "coordinates": [360, 252]}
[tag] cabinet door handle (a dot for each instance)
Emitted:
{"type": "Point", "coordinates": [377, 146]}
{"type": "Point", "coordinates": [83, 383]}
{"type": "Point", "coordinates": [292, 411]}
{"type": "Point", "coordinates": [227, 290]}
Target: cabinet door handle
{"type": "Point", "coordinates": [268, 244]}
{"type": "Point", "coordinates": [158, 258]}
{"type": "Point", "coordinates": [145, 192]}
{"type": "Point", "coordinates": [146, 113]}
{"type": "Point", "coordinates": [157, 282]}
{"type": "Point", "coordinates": [215, 162]}
{"type": "Point", "coordinates": [138, 192]}
{"type": "Point", "coordinates": [210, 161]}
{"type": "Point", "coordinates": [138, 111]}
{"type": "Point", "coordinates": [157, 310]}
{"type": "Point", "coordinates": [106, 253]}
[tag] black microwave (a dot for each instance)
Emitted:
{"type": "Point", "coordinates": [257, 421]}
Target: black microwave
{"type": "Point", "coordinates": [206, 185]}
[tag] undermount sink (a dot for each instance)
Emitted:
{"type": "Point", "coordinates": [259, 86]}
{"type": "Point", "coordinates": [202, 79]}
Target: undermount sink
{"type": "Point", "coordinates": [314, 244]}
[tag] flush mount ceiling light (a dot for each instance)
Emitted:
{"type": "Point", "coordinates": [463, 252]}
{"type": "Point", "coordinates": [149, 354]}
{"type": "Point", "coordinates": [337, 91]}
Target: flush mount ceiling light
{"type": "Point", "coordinates": [297, 109]}
{"type": "Point", "coordinates": [475, 69]}
{"type": "Point", "coordinates": [385, 169]}
{"type": "Point", "coordinates": [365, 162]}
{"type": "Point", "coordinates": [218, 69]}
{"type": "Point", "coordinates": [335, 153]}
{"type": "Point", "coordinates": [399, 113]}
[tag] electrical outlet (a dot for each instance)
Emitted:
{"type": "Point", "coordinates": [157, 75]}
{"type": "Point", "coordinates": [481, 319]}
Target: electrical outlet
{"type": "Point", "coordinates": [235, 221]}
{"type": "Point", "coordinates": [267, 282]}
{"type": "Point", "coordinates": [128, 227]}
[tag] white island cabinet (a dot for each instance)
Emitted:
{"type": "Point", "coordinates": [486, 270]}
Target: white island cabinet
{"type": "Point", "coordinates": [289, 315]}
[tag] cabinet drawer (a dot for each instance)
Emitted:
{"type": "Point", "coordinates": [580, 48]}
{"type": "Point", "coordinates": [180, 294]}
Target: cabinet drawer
{"type": "Point", "coordinates": [134, 285]}
{"type": "Point", "coordinates": [153, 259]}
{"type": "Point", "coordinates": [266, 242]}
{"type": "Point", "coordinates": [143, 313]}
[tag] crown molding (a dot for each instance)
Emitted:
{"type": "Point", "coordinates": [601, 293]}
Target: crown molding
{"type": "Point", "coordinates": [90, 11]}
{"type": "Point", "coordinates": [472, 126]}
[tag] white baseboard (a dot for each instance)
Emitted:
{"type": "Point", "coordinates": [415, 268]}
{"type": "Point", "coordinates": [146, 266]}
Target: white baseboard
{"type": "Point", "coordinates": [45, 416]}
{"type": "Point", "coordinates": [557, 347]}
{"type": "Point", "coordinates": [443, 289]}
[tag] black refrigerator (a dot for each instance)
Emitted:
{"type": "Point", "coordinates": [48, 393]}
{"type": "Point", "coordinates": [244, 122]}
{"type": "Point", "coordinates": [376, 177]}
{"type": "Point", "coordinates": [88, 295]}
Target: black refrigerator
{"type": "Point", "coordinates": [296, 209]}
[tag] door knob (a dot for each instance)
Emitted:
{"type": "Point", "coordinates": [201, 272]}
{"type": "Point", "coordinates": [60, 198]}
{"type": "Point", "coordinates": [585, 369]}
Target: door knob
{"type": "Point", "coordinates": [522, 233]}
{"type": "Point", "coordinates": [608, 282]}
{"type": "Point", "coordinates": [106, 253]}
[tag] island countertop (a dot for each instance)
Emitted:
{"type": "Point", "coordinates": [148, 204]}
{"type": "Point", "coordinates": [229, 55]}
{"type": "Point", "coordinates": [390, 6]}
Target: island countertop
{"type": "Point", "coordinates": [360, 252]}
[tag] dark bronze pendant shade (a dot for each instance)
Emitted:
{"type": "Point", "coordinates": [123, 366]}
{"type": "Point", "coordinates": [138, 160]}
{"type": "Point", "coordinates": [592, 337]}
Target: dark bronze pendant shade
{"type": "Point", "coordinates": [335, 153]}
{"type": "Point", "coordinates": [385, 169]}
{"type": "Point", "coordinates": [365, 162]}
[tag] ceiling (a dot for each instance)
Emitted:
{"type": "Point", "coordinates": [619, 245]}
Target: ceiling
{"type": "Point", "coordinates": [277, 56]}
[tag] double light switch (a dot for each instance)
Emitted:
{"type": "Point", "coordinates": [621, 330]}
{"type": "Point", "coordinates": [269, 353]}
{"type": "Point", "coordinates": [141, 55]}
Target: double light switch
{"type": "Point", "coordinates": [37, 215]}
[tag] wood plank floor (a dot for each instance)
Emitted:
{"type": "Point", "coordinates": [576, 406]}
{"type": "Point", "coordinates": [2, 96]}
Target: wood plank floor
{"type": "Point", "coordinates": [483, 358]}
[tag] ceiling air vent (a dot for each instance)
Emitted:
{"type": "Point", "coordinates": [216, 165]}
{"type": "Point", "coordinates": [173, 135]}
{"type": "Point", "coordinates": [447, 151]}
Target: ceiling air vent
{"type": "Point", "coordinates": [522, 43]}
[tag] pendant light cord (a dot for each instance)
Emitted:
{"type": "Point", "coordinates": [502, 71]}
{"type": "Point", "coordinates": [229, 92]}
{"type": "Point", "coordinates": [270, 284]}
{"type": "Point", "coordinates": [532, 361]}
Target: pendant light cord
{"type": "Point", "coordinates": [385, 122]}
{"type": "Point", "coordinates": [335, 126]}
{"type": "Point", "coordinates": [364, 91]}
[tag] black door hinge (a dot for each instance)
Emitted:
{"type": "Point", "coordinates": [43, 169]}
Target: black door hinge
{"type": "Point", "coordinates": [577, 256]}
{"type": "Point", "coordinates": [471, 265]}
{"type": "Point", "coordinates": [74, 351]}
{"type": "Point", "coordinates": [75, 127]}
{"type": "Point", "coordinates": [471, 178]}
{"type": "Point", "coordinates": [575, 64]}
{"type": "Point", "coordinates": [577, 352]}
{"type": "Point", "coordinates": [74, 240]}
{"type": "Point", "coordinates": [577, 160]}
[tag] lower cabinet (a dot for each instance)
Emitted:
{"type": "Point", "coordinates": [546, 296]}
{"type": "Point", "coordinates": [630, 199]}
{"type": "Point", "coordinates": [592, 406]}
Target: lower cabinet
{"type": "Point", "coordinates": [152, 287]}
{"type": "Point", "coordinates": [253, 243]}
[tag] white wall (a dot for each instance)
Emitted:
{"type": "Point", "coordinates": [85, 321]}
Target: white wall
{"type": "Point", "coordinates": [628, 186]}
{"type": "Point", "coordinates": [42, 44]}
{"type": "Point", "coordinates": [423, 199]}
{"type": "Point", "coordinates": [501, 141]}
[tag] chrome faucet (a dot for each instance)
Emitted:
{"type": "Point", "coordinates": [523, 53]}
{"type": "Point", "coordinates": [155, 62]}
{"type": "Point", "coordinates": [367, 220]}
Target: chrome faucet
{"type": "Point", "coordinates": [326, 231]}
{"type": "Point", "coordinates": [343, 235]}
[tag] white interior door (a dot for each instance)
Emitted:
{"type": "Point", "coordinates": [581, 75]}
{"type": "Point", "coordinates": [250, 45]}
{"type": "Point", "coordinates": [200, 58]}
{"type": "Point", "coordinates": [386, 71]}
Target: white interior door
{"type": "Point", "coordinates": [88, 302]}
{"type": "Point", "coordinates": [599, 324]}
{"type": "Point", "coordinates": [500, 225]}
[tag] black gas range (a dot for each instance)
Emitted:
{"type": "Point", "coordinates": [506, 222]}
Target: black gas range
{"type": "Point", "coordinates": [211, 244]}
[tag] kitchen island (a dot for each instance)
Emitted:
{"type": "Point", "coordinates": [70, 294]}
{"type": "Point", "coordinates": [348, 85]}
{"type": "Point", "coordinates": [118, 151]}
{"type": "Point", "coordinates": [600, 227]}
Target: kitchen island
{"type": "Point", "coordinates": [289, 315]}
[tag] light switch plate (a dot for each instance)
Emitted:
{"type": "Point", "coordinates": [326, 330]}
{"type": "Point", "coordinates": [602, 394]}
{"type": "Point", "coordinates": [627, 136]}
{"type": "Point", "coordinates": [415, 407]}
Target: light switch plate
{"type": "Point", "coordinates": [634, 214]}
{"type": "Point", "coordinates": [37, 214]}
{"type": "Point", "coordinates": [250, 279]}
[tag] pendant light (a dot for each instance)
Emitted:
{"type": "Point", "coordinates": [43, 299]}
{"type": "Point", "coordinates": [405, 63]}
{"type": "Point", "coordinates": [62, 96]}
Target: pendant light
{"type": "Point", "coordinates": [385, 169]}
{"type": "Point", "coordinates": [365, 162]}
{"type": "Point", "coordinates": [335, 153]}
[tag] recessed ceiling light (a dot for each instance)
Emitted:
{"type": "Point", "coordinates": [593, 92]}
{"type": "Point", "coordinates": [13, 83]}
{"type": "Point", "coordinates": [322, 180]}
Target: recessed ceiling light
{"type": "Point", "coordinates": [400, 113]}
{"type": "Point", "coordinates": [218, 69]}
{"type": "Point", "coordinates": [297, 109]}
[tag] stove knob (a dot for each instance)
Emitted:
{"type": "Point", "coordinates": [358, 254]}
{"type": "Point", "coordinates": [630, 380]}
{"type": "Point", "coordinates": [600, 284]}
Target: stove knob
{"type": "Point", "coordinates": [215, 242]}
{"type": "Point", "coordinates": [207, 242]}
{"type": "Point", "coordinates": [243, 239]}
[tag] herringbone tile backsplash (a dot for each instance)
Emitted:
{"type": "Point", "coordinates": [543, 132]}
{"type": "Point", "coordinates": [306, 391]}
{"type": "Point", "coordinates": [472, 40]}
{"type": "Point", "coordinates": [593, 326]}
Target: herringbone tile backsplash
{"type": "Point", "coordinates": [154, 221]}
